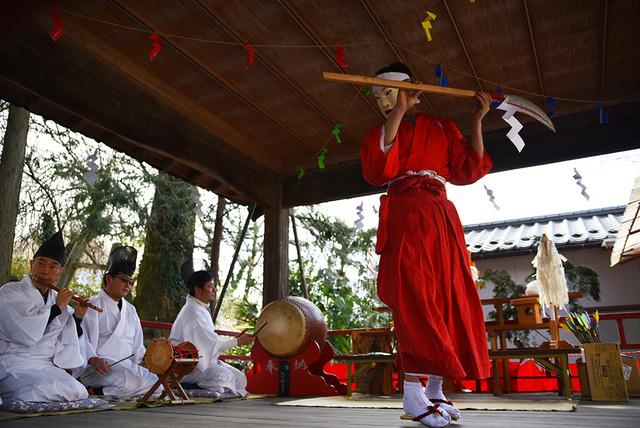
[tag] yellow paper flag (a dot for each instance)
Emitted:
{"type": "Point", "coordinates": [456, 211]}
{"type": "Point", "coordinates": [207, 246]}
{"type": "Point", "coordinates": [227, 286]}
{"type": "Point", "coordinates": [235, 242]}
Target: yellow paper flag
{"type": "Point", "coordinates": [426, 24]}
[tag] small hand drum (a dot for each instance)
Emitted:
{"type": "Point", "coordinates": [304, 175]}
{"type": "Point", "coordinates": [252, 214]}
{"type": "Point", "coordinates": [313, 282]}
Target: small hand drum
{"type": "Point", "coordinates": [161, 353]}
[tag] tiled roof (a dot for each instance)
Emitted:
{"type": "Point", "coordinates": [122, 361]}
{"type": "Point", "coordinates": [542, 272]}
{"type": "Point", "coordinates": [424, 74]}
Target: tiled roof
{"type": "Point", "coordinates": [577, 228]}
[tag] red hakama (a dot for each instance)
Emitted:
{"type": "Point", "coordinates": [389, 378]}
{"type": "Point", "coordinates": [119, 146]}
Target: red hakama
{"type": "Point", "coordinates": [424, 274]}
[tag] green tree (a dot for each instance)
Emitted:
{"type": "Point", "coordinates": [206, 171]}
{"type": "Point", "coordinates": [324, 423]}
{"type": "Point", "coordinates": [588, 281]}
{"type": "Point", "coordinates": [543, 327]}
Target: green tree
{"type": "Point", "coordinates": [160, 290]}
{"type": "Point", "coordinates": [61, 191]}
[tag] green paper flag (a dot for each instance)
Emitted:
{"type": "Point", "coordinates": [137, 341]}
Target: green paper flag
{"type": "Point", "coordinates": [300, 172]}
{"type": "Point", "coordinates": [336, 132]}
{"type": "Point", "coordinates": [321, 157]}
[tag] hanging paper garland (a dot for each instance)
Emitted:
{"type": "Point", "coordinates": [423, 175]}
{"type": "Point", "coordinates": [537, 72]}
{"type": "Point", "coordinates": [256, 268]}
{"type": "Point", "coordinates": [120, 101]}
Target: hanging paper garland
{"type": "Point", "coordinates": [340, 57]}
{"type": "Point", "coordinates": [250, 52]}
{"type": "Point", "coordinates": [300, 172]}
{"type": "Point", "coordinates": [336, 131]}
{"type": "Point", "coordinates": [491, 197]}
{"type": "Point", "coordinates": [58, 27]}
{"type": "Point", "coordinates": [578, 178]}
{"type": "Point", "coordinates": [155, 46]}
{"type": "Point", "coordinates": [426, 24]}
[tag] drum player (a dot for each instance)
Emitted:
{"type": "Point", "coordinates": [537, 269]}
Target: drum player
{"type": "Point", "coordinates": [194, 324]}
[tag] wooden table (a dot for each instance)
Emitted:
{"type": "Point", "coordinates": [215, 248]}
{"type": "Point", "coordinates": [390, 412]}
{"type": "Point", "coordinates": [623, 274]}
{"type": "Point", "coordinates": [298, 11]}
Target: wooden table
{"type": "Point", "coordinates": [555, 360]}
{"type": "Point", "coordinates": [362, 359]}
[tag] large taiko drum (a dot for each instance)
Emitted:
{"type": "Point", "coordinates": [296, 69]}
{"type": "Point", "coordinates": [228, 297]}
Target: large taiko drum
{"type": "Point", "coordinates": [161, 354]}
{"type": "Point", "coordinates": [291, 324]}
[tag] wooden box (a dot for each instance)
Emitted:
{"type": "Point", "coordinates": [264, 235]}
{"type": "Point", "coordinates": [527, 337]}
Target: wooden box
{"type": "Point", "coordinates": [529, 311]}
{"type": "Point", "coordinates": [604, 372]}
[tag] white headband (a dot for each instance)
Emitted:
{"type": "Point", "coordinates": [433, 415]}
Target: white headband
{"type": "Point", "coordinates": [391, 75]}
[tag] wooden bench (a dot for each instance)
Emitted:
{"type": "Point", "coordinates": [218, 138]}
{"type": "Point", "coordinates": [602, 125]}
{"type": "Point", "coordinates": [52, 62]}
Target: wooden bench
{"type": "Point", "coordinates": [371, 358]}
{"type": "Point", "coordinates": [555, 360]}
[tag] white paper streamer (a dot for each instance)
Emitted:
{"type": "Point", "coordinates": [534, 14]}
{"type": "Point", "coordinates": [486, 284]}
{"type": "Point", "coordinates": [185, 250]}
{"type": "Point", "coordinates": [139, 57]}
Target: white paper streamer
{"type": "Point", "coordinates": [491, 197]}
{"type": "Point", "coordinates": [196, 200]}
{"type": "Point", "coordinates": [552, 287]}
{"type": "Point", "coordinates": [91, 175]}
{"type": "Point", "coordinates": [578, 178]}
{"type": "Point", "coordinates": [359, 223]}
{"type": "Point", "coordinates": [515, 124]}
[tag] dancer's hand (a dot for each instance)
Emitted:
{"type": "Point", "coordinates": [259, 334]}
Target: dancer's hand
{"type": "Point", "coordinates": [407, 99]}
{"type": "Point", "coordinates": [483, 104]}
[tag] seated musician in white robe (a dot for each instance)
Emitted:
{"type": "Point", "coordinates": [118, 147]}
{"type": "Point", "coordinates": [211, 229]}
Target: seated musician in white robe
{"type": "Point", "coordinates": [194, 324]}
{"type": "Point", "coordinates": [40, 334]}
{"type": "Point", "coordinates": [114, 337]}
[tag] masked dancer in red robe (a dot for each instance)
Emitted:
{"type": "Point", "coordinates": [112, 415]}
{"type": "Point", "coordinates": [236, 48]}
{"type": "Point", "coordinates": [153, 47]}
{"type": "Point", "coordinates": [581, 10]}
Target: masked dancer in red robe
{"type": "Point", "coordinates": [424, 274]}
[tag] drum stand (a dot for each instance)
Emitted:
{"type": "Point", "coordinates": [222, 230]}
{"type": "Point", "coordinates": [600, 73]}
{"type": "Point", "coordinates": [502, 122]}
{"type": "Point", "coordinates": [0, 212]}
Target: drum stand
{"type": "Point", "coordinates": [171, 379]}
{"type": "Point", "coordinates": [300, 375]}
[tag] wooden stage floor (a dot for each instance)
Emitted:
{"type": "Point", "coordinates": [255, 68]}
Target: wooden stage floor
{"type": "Point", "coordinates": [258, 413]}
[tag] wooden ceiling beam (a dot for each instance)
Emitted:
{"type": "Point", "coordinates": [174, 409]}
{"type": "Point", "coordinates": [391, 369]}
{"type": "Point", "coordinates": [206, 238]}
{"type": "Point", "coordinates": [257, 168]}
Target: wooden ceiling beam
{"type": "Point", "coordinates": [399, 56]}
{"type": "Point", "coordinates": [276, 71]}
{"type": "Point", "coordinates": [463, 44]}
{"type": "Point", "coordinates": [301, 23]}
{"type": "Point", "coordinates": [233, 89]}
{"type": "Point", "coordinates": [139, 118]}
{"type": "Point", "coordinates": [534, 51]}
{"type": "Point", "coordinates": [147, 79]}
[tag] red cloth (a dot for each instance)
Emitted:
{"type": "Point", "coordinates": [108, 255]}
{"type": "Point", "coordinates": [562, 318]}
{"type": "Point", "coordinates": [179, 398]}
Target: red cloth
{"type": "Point", "coordinates": [424, 274]}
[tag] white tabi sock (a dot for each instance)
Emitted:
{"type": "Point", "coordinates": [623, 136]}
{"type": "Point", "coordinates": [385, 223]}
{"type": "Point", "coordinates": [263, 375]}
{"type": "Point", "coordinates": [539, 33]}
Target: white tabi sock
{"type": "Point", "coordinates": [434, 391]}
{"type": "Point", "coordinates": [416, 403]}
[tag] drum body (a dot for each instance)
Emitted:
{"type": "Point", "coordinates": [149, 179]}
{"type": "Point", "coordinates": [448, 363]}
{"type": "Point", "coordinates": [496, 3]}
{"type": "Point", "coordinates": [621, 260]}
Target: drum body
{"type": "Point", "coordinates": [161, 353]}
{"type": "Point", "coordinates": [291, 324]}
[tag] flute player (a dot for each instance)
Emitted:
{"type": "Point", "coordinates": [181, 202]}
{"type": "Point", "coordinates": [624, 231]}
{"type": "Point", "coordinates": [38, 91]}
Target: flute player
{"type": "Point", "coordinates": [40, 333]}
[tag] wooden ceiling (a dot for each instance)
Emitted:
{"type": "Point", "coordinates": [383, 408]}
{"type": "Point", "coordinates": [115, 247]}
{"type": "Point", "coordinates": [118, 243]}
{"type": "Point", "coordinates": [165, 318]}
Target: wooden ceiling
{"type": "Point", "coordinates": [197, 113]}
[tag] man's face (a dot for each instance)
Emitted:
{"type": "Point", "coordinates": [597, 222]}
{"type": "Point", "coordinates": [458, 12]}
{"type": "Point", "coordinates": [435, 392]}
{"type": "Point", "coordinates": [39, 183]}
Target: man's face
{"type": "Point", "coordinates": [118, 286]}
{"type": "Point", "coordinates": [207, 293]}
{"type": "Point", "coordinates": [387, 100]}
{"type": "Point", "coordinates": [46, 268]}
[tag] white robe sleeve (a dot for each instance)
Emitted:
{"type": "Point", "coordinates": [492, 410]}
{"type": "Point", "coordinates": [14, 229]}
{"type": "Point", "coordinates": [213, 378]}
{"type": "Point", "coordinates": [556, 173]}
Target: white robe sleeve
{"type": "Point", "coordinates": [138, 341]}
{"type": "Point", "coordinates": [208, 342]}
{"type": "Point", "coordinates": [91, 333]}
{"type": "Point", "coordinates": [68, 353]}
{"type": "Point", "coordinates": [21, 321]}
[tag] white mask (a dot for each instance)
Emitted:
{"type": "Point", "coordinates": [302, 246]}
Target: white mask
{"type": "Point", "coordinates": [387, 99]}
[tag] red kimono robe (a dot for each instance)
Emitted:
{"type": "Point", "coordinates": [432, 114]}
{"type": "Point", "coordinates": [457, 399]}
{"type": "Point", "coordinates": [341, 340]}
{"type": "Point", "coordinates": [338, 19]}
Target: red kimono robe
{"type": "Point", "coordinates": [424, 274]}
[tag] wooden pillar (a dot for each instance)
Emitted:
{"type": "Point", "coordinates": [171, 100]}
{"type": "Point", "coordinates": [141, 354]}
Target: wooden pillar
{"type": "Point", "coordinates": [276, 254]}
{"type": "Point", "coordinates": [11, 166]}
